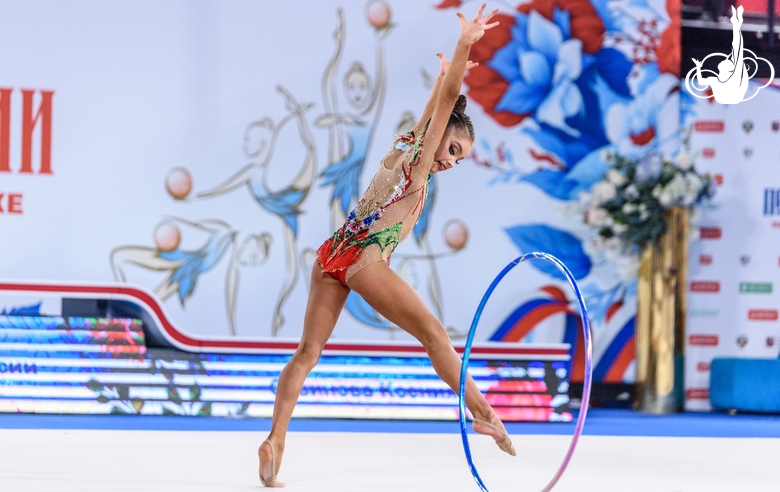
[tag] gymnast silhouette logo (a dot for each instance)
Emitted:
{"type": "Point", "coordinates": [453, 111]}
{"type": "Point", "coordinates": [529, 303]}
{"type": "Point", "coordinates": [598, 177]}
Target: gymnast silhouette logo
{"type": "Point", "coordinates": [730, 84]}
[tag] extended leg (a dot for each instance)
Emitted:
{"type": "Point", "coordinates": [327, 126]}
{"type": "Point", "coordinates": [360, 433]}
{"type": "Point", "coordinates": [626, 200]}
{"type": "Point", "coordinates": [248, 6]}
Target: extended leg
{"type": "Point", "coordinates": [326, 299]}
{"type": "Point", "coordinates": [397, 301]}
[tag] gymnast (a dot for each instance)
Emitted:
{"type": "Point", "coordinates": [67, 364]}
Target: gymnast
{"type": "Point", "coordinates": [357, 256]}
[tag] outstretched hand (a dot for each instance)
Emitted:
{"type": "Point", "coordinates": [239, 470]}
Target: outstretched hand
{"type": "Point", "coordinates": [444, 64]}
{"type": "Point", "coordinates": [471, 31]}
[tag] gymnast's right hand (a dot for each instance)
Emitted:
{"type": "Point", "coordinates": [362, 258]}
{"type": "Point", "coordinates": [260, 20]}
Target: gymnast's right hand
{"type": "Point", "coordinates": [444, 64]}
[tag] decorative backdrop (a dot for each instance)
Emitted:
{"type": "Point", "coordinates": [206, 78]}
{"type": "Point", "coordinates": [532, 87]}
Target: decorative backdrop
{"type": "Point", "coordinates": [204, 152]}
{"type": "Point", "coordinates": [734, 270]}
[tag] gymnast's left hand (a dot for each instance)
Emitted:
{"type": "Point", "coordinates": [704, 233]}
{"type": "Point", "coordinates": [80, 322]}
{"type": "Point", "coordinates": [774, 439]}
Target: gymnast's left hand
{"type": "Point", "coordinates": [471, 31]}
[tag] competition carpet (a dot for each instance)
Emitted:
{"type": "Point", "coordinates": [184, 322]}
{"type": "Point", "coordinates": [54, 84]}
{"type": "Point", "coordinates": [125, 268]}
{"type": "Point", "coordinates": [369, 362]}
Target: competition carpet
{"type": "Point", "coordinates": [620, 451]}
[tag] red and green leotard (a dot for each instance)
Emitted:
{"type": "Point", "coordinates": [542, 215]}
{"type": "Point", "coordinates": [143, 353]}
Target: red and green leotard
{"type": "Point", "coordinates": [384, 216]}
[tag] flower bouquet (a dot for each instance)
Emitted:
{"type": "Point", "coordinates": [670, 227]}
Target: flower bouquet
{"type": "Point", "coordinates": [626, 209]}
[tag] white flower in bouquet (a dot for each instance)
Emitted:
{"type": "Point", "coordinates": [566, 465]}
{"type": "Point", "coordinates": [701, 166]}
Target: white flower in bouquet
{"type": "Point", "coordinates": [629, 208]}
{"type": "Point", "coordinates": [665, 198]}
{"type": "Point", "coordinates": [656, 191]}
{"type": "Point", "coordinates": [649, 168]}
{"type": "Point", "coordinates": [619, 228]}
{"type": "Point", "coordinates": [616, 177]}
{"type": "Point", "coordinates": [694, 183]}
{"type": "Point", "coordinates": [684, 160]}
{"type": "Point", "coordinates": [590, 248]}
{"type": "Point", "coordinates": [674, 191]}
{"type": "Point", "coordinates": [596, 216]}
{"type": "Point", "coordinates": [613, 243]}
{"type": "Point", "coordinates": [595, 246]}
{"type": "Point", "coordinates": [631, 192]}
{"type": "Point", "coordinates": [688, 198]}
{"type": "Point", "coordinates": [604, 191]}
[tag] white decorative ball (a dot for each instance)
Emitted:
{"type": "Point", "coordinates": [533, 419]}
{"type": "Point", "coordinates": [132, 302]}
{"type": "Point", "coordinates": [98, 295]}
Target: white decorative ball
{"type": "Point", "coordinates": [167, 236]}
{"type": "Point", "coordinates": [456, 234]}
{"type": "Point", "coordinates": [178, 183]}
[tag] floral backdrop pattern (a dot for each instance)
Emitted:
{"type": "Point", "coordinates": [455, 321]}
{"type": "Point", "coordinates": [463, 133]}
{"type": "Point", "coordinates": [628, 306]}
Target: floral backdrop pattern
{"type": "Point", "coordinates": [571, 83]}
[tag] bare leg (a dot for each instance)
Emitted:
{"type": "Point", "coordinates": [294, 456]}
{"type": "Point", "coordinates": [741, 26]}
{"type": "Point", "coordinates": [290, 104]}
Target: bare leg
{"type": "Point", "coordinates": [327, 296]}
{"type": "Point", "coordinates": [397, 301]}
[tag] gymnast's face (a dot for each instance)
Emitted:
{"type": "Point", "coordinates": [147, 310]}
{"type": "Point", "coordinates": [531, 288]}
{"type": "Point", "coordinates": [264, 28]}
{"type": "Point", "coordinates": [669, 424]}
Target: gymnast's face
{"type": "Point", "coordinates": [454, 146]}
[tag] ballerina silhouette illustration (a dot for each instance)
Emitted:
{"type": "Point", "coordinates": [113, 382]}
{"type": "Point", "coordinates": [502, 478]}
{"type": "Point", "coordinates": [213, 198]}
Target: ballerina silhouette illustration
{"type": "Point", "coordinates": [185, 267]}
{"type": "Point", "coordinates": [730, 84]}
{"type": "Point", "coordinates": [350, 132]}
{"type": "Point", "coordinates": [285, 203]}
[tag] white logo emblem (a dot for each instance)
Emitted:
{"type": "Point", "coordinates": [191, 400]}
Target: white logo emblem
{"type": "Point", "coordinates": [730, 84]}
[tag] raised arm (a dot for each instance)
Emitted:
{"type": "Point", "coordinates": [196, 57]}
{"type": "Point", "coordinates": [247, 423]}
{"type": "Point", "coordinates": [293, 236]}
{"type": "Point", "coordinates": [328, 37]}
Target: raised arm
{"type": "Point", "coordinates": [448, 89]}
{"type": "Point", "coordinates": [431, 104]}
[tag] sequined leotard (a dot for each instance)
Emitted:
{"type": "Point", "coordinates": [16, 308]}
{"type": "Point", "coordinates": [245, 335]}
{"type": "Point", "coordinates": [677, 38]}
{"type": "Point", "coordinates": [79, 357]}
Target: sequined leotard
{"type": "Point", "coordinates": [385, 215]}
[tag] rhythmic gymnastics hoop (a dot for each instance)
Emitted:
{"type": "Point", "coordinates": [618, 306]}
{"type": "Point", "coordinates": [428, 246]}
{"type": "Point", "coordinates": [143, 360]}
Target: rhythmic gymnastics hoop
{"type": "Point", "coordinates": [588, 365]}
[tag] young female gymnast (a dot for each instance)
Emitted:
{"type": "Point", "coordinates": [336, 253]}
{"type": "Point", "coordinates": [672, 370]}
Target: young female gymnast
{"type": "Point", "coordinates": [356, 256]}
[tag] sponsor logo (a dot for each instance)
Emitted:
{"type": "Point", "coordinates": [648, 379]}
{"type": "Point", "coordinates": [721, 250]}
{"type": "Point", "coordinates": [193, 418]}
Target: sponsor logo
{"type": "Point", "coordinates": [747, 125]}
{"type": "Point", "coordinates": [705, 259]}
{"type": "Point", "coordinates": [728, 85]}
{"type": "Point", "coordinates": [704, 313]}
{"type": "Point", "coordinates": [772, 201]}
{"type": "Point", "coordinates": [709, 126]}
{"type": "Point", "coordinates": [755, 287]}
{"type": "Point", "coordinates": [763, 315]}
{"type": "Point", "coordinates": [719, 179]}
{"type": "Point", "coordinates": [697, 393]}
{"type": "Point", "coordinates": [703, 340]}
{"type": "Point", "coordinates": [744, 259]}
{"type": "Point", "coordinates": [770, 341]}
{"type": "Point", "coordinates": [708, 153]}
{"type": "Point", "coordinates": [710, 232]}
{"type": "Point", "coordinates": [748, 152]}
{"type": "Point", "coordinates": [776, 126]}
{"type": "Point", "coordinates": [705, 286]}
{"type": "Point", "coordinates": [703, 366]}
{"type": "Point", "coordinates": [742, 340]}
{"type": "Point", "coordinates": [776, 224]}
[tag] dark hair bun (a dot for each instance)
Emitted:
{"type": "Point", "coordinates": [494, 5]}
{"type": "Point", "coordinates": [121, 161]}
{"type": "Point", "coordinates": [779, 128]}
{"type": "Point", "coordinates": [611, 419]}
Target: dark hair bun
{"type": "Point", "coordinates": [460, 105]}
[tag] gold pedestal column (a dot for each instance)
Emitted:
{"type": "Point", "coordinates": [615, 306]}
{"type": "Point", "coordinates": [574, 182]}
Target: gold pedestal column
{"type": "Point", "coordinates": [662, 304]}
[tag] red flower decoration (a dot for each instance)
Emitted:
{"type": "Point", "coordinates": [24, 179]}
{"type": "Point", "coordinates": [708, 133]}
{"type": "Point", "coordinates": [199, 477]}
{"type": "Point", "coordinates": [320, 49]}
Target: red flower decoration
{"type": "Point", "coordinates": [669, 52]}
{"type": "Point", "coordinates": [449, 3]}
{"type": "Point", "coordinates": [586, 25]}
{"type": "Point", "coordinates": [486, 86]}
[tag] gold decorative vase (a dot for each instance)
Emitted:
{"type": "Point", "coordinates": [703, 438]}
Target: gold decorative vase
{"type": "Point", "coordinates": [660, 327]}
